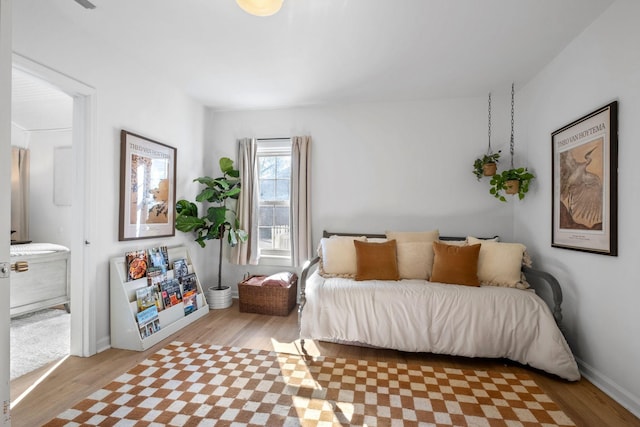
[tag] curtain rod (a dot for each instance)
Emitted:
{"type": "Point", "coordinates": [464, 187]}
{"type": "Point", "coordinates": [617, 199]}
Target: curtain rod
{"type": "Point", "coordinates": [273, 139]}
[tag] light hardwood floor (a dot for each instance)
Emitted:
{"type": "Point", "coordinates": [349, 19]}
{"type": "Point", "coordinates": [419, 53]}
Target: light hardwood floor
{"type": "Point", "coordinates": [75, 378]}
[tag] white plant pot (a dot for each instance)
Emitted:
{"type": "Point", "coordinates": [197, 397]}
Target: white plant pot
{"type": "Point", "coordinates": [219, 298]}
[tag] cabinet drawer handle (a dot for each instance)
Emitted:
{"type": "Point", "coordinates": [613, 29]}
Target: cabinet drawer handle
{"type": "Point", "coordinates": [20, 266]}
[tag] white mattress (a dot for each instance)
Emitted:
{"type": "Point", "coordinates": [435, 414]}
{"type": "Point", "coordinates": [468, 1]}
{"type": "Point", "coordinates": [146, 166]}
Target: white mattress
{"type": "Point", "coordinates": [421, 316]}
{"type": "Point", "coordinates": [36, 249]}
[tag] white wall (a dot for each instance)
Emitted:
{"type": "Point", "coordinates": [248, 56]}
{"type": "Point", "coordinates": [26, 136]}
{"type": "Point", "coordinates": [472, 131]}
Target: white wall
{"type": "Point", "coordinates": [48, 222]}
{"type": "Point", "coordinates": [127, 98]}
{"type": "Point", "coordinates": [385, 166]}
{"type": "Point", "coordinates": [19, 137]}
{"type": "Point", "coordinates": [601, 293]}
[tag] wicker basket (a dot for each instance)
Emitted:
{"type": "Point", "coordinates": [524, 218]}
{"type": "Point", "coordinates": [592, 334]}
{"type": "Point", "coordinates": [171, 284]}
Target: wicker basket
{"type": "Point", "coordinates": [274, 300]}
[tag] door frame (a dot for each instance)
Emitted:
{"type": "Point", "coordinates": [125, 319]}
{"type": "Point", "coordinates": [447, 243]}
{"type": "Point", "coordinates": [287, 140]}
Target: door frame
{"type": "Point", "coordinates": [82, 288]}
{"type": "Point", "coordinates": [5, 206]}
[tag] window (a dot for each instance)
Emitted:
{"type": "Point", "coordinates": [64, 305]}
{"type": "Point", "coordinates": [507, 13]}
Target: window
{"type": "Point", "coordinates": [274, 212]}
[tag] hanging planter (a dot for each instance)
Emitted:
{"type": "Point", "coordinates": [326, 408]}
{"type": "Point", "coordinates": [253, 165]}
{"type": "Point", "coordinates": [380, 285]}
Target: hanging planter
{"type": "Point", "coordinates": [515, 180]}
{"type": "Point", "coordinates": [487, 165]}
{"type": "Point", "coordinates": [513, 185]}
{"type": "Point", "coordinates": [490, 168]}
{"type": "Point", "coordinates": [512, 181]}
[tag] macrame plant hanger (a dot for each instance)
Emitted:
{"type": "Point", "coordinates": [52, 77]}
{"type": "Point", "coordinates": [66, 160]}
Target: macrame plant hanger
{"type": "Point", "coordinates": [489, 150]}
{"type": "Point", "coordinates": [512, 142]}
{"type": "Point", "coordinates": [486, 165]}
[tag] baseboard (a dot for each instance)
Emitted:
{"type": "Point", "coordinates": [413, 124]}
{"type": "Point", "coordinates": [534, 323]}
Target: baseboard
{"type": "Point", "coordinates": [609, 387]}
{"type": "Point", "coordinates": [103, 344]}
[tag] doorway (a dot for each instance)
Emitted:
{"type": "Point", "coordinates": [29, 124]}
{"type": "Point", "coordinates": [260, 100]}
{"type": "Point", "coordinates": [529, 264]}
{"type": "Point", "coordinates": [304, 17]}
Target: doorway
{"type": "Point", "coordinates": [73, 156]}
{"type": "Point", "coordinates": [41, 139]}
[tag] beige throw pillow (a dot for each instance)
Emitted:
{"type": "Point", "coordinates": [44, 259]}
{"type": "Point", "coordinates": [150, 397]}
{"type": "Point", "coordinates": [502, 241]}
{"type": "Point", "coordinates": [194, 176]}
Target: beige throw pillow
{"type": "Point", "coordinates": [413, 236]}
{"type": "Point", "coordinates": [414, 260]}
{"type": "Point", "coordinates": [338, 256]}
{"type": "Point", "coordinates": [499, 264]}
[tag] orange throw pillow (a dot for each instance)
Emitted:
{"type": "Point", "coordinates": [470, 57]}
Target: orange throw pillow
{"type": "Point", "coordinates": [376, 261]}
{"type": "Point", "coordinates": [455, 264]}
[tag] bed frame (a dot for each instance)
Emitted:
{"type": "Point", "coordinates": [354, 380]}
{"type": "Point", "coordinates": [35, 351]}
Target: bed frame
{"type": "Point", "coordinates": [544, 284]}
{"type": "Point", "coordinates": [45, 284]}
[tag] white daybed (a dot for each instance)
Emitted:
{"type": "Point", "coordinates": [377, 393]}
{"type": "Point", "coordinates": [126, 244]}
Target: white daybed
{"type": "Point", "coordinates": [424, 316]}
{"type": "Point", "coordinates": [46, 282]}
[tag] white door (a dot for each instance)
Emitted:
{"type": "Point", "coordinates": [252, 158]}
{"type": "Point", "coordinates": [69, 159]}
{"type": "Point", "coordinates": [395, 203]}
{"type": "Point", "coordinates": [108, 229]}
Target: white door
{"type": "Point", "coordinates": [5, 204]}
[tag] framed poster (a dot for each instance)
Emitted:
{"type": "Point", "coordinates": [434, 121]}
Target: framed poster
{"type": "Point", "coordinates": [147, 188]}
{"type": "Point", "coordinates": [585, 183]}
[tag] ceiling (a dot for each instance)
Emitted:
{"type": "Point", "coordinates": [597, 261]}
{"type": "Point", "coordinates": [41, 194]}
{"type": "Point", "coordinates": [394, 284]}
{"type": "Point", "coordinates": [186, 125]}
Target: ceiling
{"type": "Point", "coordinates": [330, 51]}
{"type": "Point", "coordinates": [38, 106]}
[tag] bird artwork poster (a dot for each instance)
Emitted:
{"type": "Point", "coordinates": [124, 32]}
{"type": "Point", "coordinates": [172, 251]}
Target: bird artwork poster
{"type": "Point", "coordinates": [585, 183]}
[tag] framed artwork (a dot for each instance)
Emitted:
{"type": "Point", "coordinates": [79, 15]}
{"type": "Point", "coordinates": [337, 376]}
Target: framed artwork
{"type": "Point", "coordinates": [585, 183]}
{"type": "Point", "coordinates": [147, 188]}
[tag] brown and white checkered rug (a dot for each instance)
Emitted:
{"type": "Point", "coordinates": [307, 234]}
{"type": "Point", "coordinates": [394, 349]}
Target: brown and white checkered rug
{"type": "Point", "coordinates": [206, 385]}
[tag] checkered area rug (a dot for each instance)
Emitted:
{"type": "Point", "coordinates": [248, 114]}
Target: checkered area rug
{"type": "Point", "coordinates": [207, 385]}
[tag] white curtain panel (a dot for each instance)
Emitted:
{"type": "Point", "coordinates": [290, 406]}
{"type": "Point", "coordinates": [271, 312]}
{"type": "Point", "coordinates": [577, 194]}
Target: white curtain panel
{"type": "Point", "coordinates": [20, 193]}
{"type": "Point", "coordinates": [247, 208]}
{"type": "Point", "coordinates": [301, 248]}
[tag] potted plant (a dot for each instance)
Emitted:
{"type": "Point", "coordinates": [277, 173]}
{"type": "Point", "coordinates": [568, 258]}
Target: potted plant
{"type": "Point", "coordinates": [218, 220]}
{"type": "Point", "coordinates": [511, 181]}
{"type": "Point", "coordinates": [487, 165]}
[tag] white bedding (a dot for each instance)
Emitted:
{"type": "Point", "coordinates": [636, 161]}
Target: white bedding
{"type": "Point", "coordinates": [421, 316]}
{"type": "Point", "coordinates": [27, 249]}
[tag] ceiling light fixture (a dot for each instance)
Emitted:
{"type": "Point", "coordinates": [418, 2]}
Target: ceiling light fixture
{"type": "Point", "coordinates": [86, 4]}
{"type": "Point", "coordinates": [260, 7]}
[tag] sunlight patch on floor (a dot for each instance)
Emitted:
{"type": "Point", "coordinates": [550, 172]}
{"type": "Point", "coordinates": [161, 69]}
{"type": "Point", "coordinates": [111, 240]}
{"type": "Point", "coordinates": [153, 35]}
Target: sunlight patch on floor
{"type": "Point", "coordinates": [296, 347]}
{"type": "Point", "coordinates": [15, 402]}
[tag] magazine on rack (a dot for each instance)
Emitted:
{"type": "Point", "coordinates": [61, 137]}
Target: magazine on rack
{"type": "Point", "coordinates": [180, 268]}
{"type": "Point", "coordinates": [171, 294]}
{"type": "Point", "coordinates": [148, 321]}
{"type": "Point", "coordinates": [158, 258]}
{"type": "Point", "coordinates": [145, 298]}
{"type": "Point", "coordinates": [136, 263]}
{"type": "Point", "coordinates": [190, 293]}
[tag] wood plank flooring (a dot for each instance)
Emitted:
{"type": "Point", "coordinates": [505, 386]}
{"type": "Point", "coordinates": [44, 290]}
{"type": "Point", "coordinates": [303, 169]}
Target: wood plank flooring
{"type": "Point", "coordinates": [76, 377]}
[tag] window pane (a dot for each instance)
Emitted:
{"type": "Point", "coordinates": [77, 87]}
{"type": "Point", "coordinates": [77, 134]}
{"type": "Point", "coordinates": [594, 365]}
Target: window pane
{"type": "Point", "coordinates": [267, 167]}
{"type": "Point", "coordinates": [282, 216]}
{"type": "Point", "coordinates": [281, 238]}
{"type": "Point", "coordinates": [274, 175]}
{"type": "Point", "coordinates": [266, 215]}
{"type": "Point", "coordinates": [282, 190]}
{"type": "Point", "coordinates": [267, 189]}
{"type": "Point", "coordinates": [266, 241]}
{"type": "Point", "coordinates": [284, 167]}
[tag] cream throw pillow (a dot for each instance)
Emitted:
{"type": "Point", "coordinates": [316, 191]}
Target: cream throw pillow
{"type": "Point", "coordinates": [338, 256]}
{"type": "Point", "coordinates": [415, 260]}
{"type": "Point", "coordinates": [499, 264]}
{"type": "Point", "coordinates": [413, 236]}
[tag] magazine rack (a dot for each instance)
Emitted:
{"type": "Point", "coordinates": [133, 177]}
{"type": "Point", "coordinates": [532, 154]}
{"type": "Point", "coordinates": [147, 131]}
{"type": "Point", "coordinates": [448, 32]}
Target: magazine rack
{"type": "Point", "coordinates": [124, 326]}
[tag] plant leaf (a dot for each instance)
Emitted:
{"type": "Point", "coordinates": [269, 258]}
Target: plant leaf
{"type": "Point", "coordinates": [217, 215]}
{"type": "Point", "coordinates": [205, 195]}
{"type": "Point", "coordinates": [233, 240]}
{"type": "Point", "coordinates": [188, 223]}
{"type": "Point", "coordinates": [206, 180]}
{"type": "Point", "coordinates": [185, 207]}
{"type": "Point", "coordinates": [226, 165]}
